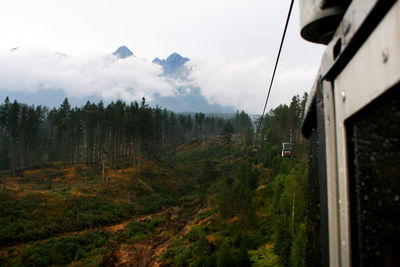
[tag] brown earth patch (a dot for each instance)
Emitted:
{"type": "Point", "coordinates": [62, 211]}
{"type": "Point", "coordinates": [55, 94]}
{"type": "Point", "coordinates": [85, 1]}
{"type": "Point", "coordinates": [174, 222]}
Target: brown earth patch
{"type": "Point", "coordinates": [146, 252]}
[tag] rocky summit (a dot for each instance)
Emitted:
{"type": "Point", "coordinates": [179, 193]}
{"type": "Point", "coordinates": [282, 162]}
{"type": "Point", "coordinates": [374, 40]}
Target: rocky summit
{"type": "Point", "coordinates": [173, 64]}
{"type": "Point", "coordinates": [123, 52]}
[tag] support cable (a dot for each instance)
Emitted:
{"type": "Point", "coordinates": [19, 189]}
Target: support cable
{"type": "Point", "coordinates": [276, 65]}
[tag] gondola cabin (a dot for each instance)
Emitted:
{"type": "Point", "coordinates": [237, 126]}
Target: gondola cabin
{"type": "Point", "coordinates": [287, 150]}
{"type": "Point", "coordinates": [352, 121]}
{"type": "Point", "coordinates": [255, 149]}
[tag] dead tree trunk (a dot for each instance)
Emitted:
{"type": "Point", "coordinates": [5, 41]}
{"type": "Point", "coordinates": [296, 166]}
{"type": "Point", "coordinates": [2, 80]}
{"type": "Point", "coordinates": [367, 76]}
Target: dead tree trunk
{"type": "Point", "coordinates": [102, 176]}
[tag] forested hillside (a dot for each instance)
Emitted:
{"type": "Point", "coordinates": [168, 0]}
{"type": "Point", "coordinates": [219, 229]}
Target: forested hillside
{"type": "Point", "coordinates": [128, 184]}
{"type": "Point", "coordinates": [95, 134]}
{"type": "Point", "coordinates": [257, 201]}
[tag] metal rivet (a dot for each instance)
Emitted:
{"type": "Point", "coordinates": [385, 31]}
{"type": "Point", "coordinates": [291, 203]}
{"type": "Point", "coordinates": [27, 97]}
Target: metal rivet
{"type": "Point", "coordinates": [343, 94]}
{"type": "Point", "coordinates": [385, 55]}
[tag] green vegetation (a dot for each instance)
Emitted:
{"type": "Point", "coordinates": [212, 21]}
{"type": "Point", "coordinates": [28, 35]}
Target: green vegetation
{"type": "Point", "coordinates": [30, 213]}
{"type": "Point", "coordinates": [137, 231]}
{"type": "Point", "coordinates": [258, 201]}
{"type": "Point", "coordinates": [199, 192]}
{"type": "Point", "coordinates": [116, 135]}
{"type": "Point", "coordinates": [86, 249]}
{"type": "Point", "coordinates": [251, 222]}
{"type": "Point", "coordinates": [88, 246]}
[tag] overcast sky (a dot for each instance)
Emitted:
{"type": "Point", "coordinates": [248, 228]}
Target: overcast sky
{"type": "Point", "coordinates": [232, 44]}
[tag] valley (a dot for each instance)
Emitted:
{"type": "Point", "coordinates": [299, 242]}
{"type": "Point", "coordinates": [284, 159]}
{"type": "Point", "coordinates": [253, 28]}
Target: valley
{"type": "Point", "coordinates": [164, 193]}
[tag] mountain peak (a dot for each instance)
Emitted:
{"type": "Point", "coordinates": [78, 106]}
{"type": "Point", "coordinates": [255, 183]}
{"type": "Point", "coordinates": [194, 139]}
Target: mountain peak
{"type": "Point", "coordinates": [157, 61]}
{"type": "Point", "coordinates": [175, 57]}
{"type": "Point", "coordinates": [173, 64]}
{"type": "Point", "coordinates": [123, 52]}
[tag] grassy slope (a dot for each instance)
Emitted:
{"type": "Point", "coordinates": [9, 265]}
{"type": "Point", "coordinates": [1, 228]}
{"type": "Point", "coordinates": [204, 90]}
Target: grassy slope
{"type": "Point", "coordinates": [55, 200]}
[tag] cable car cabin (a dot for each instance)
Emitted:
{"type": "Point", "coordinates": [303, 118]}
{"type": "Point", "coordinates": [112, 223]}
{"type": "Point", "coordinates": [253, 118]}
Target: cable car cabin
{"type": "Point", "coordinates": [352, 121]}
{"type": "Point", "coordinates": [287, 150]}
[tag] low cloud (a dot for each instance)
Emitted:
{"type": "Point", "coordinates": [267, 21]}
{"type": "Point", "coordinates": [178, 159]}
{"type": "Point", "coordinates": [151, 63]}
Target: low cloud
{"type": "Point", "coordinates": [33, 69]}
{"type": "Point", "coordinates": [244, 85]}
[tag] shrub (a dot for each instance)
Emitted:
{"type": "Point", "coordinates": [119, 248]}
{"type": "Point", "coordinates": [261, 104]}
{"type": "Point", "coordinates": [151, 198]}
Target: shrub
{"type": "Point", "coordinates": [64, 250]}
{"type": "Point", "coordinates": [263, 256]}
